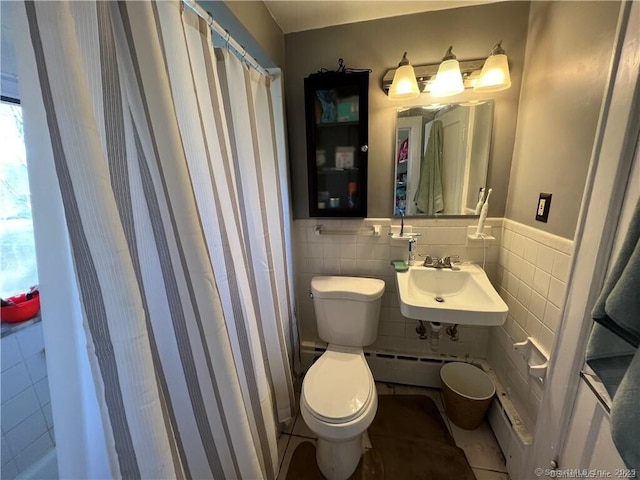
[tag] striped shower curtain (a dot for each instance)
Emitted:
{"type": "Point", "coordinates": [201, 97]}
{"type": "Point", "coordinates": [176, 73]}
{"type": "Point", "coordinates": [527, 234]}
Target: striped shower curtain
{"type": "Point", "coordinates": [176, 205]}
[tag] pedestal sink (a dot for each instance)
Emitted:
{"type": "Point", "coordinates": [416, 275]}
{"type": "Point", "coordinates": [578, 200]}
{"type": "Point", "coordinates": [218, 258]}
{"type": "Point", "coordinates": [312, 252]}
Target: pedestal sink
{"type": "Point", "coordinates": [462, 296]}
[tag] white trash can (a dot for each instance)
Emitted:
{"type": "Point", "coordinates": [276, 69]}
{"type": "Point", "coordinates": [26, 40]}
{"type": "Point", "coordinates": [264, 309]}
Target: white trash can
{"type": "Point", "coordinates": [467, 391]}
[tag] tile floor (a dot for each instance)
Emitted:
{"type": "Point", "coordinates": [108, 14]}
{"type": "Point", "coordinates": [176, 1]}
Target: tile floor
{"type": "Point", "coordinates": [480, 445]}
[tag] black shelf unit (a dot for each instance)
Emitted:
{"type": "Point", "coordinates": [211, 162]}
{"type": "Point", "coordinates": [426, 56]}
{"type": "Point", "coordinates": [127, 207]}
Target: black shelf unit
{"type": "Point", "coordinates": [336, 113]}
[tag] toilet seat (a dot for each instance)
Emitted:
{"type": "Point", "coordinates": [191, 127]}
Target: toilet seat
{"type": "Point", "coordinates": [338, 387]}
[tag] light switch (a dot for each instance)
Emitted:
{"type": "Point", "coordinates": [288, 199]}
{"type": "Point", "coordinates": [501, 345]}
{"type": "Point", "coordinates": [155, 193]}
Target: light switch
{"type": "Point", "coordinates": [541, 204]}
{"type": "Point", "coordinates": [544, 203]}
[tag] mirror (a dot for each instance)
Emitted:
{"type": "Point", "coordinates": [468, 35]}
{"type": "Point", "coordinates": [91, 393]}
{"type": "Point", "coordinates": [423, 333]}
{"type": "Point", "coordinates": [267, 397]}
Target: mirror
{"type": "Point", "coordinates": [441, 158]}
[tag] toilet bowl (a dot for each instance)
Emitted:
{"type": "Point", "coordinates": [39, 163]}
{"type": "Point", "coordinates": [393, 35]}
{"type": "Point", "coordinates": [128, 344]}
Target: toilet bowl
{"type": "Point", "coordinates": [338, 403]}
{"type": "Point", "coordinates": [339, 400]}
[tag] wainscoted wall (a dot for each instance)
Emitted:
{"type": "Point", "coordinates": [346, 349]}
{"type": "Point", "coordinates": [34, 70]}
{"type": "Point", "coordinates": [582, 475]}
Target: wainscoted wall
{"type": "Point", "coordinates": [27, 424]}
{"type": "Point", "coordinates": [366, 255]}
{"type": "Point", "coordinates": [528, 267]}
{"type": "Point", "coordinates": [532, 274]}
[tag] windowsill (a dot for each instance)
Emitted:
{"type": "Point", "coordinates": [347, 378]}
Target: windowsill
{"type": "Point", "coordinates": [10, 328]}
{"type": "Point", "coordinates": [596, 386]}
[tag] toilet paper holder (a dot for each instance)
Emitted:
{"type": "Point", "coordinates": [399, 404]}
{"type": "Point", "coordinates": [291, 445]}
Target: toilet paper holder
{"type": "Point", "coordinates": [536, 357]}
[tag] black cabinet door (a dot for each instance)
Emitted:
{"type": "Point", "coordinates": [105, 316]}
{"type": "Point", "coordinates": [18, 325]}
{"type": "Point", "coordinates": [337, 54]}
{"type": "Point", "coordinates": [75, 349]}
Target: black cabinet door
{"type": "Point", "coordinates": [337, 112]}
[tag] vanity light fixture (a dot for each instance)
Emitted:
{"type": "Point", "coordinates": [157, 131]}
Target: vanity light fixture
{"type": "Point", "coordinates": [495, 72]}
{"type": "Point", "coordinates": [448, 80]}
{"type": "Point", "coordinates": [404, 85]}
{"type": "Point", "coordinates": [481, 75]}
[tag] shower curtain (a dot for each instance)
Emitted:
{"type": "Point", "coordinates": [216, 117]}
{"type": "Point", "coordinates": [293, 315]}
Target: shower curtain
{"type": "Point", "coordinates": [164, 159]}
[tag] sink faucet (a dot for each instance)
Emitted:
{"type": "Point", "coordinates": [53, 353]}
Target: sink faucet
{"type": "Point", "coordinates": [440, 262]}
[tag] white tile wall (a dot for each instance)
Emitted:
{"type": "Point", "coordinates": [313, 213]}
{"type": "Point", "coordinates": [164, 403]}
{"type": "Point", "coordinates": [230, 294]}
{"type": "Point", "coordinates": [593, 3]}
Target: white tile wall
{"type": "Point", "coordinates": [10, 354]}
{"type": "Point", "coordinates": [27, 426]}
{"type": "Point", "coordinates": [529, 268]}
{"type": "Point", "coordinates": [19, 408]}
{"type": "Point", "coordinates": [14, 380]}
{"type": "Point", "coordinates": [367, 255]}
{"type": "Point", "coordinates": [532, 274]}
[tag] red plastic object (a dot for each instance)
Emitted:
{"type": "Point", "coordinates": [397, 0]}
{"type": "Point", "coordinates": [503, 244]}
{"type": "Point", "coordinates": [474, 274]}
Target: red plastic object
{"type": "Point", "coordinates": [22, 310]}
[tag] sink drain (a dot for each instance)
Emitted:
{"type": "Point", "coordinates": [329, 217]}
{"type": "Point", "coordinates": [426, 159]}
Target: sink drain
{"type": "Point", "coordinates": [439, 299]}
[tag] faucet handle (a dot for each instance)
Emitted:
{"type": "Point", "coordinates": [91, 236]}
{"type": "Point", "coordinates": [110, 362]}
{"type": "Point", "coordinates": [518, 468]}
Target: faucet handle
{"type": "Point", "coordinates": [447, 260]}
{"type": "Point", "coordinates": [428, 260]}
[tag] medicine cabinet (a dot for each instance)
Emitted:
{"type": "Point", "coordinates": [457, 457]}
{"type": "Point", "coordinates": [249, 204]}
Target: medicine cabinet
{"type": "Point", "coordinates": [336, 111]}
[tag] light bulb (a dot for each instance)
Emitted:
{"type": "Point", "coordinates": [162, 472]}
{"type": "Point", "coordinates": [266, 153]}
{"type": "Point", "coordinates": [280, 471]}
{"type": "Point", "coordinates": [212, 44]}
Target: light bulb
{"type": "Point", "coordinates": [448, 79]}
{"type": "Point", "coordinates": [404, 85]}
{"type": "Point", "coordinates": [495, 72]}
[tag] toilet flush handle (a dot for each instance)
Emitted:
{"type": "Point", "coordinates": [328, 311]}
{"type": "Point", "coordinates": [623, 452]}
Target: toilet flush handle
{"type": "Point", "coordinates": [310, 294]}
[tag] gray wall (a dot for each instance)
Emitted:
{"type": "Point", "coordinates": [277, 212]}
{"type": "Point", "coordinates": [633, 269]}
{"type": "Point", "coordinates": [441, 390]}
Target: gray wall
{"type": "Point", "coordinates": [251, 25]}
{"type": "Point", "coordinates": [257, 20]}
{"type": "Point", "coordinates": [378, 45]}
{"type": "Point", "coordinates": [567, 63]}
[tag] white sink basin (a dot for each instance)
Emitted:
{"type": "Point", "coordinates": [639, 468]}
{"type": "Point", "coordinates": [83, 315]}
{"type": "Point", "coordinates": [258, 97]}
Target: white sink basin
{"type": "Point", "coordinates": [464, 296]}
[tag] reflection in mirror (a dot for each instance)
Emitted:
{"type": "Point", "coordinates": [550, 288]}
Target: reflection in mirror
{"type": "Point", "coordinates": [442, 156]}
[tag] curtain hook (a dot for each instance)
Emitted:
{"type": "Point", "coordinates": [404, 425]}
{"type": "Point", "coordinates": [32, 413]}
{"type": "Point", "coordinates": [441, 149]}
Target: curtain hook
{"type": "Point", "coordinates": [243, 58]}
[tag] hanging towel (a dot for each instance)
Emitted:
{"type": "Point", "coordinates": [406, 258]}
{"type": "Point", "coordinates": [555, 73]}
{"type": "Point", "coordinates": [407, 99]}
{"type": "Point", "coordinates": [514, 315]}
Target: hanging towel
{"type": "Point", "coordinates": [429, 197]}
{"type": "Point", "coordinates": [612, 351]}
{"type": "Point", "coordinates": [609, 357]}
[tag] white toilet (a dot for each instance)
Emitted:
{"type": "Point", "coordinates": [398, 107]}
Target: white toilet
{"type": "Point", "coordinates": [339, 399]}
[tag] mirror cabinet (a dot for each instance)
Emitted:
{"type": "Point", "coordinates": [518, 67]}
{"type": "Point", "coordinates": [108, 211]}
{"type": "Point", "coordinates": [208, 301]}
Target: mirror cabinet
{"type": "Point", "coordinates": [441, 158]}
{"type": "Point", "coordinates": [336, 113]}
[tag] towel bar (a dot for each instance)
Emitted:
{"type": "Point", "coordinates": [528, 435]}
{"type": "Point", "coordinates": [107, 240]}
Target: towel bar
{"type": "Point", "coordinates": [372, 230]}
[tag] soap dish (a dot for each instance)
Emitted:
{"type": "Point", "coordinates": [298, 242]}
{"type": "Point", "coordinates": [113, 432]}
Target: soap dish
{"type": "Point", "coordinates": [400, 265]}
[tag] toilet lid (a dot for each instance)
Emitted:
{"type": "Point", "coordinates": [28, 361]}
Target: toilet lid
{"type": "Point", "coordinates": [338, 386]}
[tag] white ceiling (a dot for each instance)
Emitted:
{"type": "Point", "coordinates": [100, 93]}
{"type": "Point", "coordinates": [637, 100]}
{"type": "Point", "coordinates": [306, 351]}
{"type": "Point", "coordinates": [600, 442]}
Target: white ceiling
{"type": "Point", "coordinates": [291, 16]}
{"type": "Point", "coordinates": [299, 15]}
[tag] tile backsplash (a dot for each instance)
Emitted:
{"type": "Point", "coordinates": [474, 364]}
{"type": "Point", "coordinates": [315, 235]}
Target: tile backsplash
{"type": "Point", "coordinates": [528, 267]}
{"type": "Point", "coordinates": [27, 424]}
{"type": "Point", "coordinates": [357, 252]}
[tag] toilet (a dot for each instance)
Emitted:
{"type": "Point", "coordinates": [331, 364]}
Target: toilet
{"type": "Point", "coordinates": [339, 399]}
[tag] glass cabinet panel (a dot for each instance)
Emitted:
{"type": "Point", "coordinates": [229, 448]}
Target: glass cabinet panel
{"type": "Point", "coordinates": [336, 106]}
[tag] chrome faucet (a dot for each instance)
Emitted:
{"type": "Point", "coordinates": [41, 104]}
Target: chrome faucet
{"type": "Point", "coordinates": [440, 262]}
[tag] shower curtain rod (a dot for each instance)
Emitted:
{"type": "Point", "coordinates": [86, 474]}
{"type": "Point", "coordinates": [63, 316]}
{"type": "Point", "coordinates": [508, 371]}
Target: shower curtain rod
{"type": "Point", "coordinates": [224, 33]}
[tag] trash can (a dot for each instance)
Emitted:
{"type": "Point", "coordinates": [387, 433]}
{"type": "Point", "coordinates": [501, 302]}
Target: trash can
{"type": "Point", "coordinates": [467, 393]}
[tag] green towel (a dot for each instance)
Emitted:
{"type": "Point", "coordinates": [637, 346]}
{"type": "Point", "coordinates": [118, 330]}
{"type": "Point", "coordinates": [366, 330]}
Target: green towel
{"type": "Point", "coordinates": [612, 351]}
{"type": "Point", "coordinates": [609, 357]}
{"type": "Point", "coordinates": [429, 198]}
{"type": "Point", "coordinates": [625, 416]}
{"type": "Point", "coordinates": [618, 307]}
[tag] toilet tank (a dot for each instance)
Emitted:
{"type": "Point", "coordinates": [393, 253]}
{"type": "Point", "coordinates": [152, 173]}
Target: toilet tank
{"type": "Point", "coordinates": [347, 309]}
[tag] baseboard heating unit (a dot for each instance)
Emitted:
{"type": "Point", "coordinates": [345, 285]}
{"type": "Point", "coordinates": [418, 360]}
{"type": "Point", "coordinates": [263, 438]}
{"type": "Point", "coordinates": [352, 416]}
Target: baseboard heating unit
{"type": "Point", "coordinates": [512, 434]}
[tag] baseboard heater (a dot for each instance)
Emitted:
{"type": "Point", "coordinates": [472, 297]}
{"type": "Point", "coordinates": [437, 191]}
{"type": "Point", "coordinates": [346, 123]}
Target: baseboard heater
{"type": "Point", "coordinates": [512, 434]}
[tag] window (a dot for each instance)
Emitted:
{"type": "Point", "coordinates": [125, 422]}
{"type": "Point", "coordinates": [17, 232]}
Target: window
{"type": "Point", "coordinates": [17, 249]}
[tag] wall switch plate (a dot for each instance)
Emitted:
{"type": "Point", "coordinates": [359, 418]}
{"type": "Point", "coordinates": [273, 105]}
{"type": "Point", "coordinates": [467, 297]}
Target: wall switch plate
{"type": "Point", "coordinates": [544, 203]}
